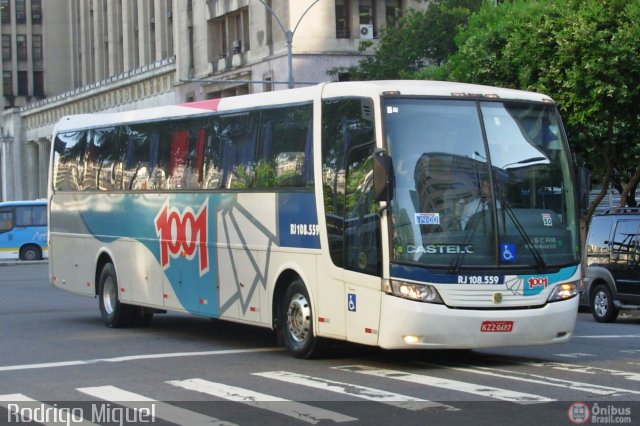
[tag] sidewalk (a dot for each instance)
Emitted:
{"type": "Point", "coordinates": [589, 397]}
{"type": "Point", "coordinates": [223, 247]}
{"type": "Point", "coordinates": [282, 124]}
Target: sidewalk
{"type": "Point", "coordinates": [10, 262]}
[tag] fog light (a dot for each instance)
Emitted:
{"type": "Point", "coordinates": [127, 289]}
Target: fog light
{"type": "Point", "coordinates": [411, 340]}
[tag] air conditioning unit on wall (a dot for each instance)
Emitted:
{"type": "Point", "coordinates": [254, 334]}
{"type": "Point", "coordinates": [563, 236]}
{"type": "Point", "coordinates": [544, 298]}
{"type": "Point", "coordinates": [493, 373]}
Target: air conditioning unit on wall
{"type": "Point", "coordinates": [366, 31]}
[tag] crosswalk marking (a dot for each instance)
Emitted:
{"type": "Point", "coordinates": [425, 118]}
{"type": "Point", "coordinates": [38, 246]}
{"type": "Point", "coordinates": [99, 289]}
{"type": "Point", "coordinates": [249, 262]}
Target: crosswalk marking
{"type": "Point", "coordinates": [543, 380]}
{"type": "Point", "coordinates": [576, 368]}
{"type": "Point", "coordinates": [486, 391]}
{"type": "Point", "coordinates": [162, 410]}
{"type": "Point", "coordinates": [371, 394]}
{"type": "Point", "coordinates": [297, 410]}
{"type": "Point", "coordinates": [29, 410]}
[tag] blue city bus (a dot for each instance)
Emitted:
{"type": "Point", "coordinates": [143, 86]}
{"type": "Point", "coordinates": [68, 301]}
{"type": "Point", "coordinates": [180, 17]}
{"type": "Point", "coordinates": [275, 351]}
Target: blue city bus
{"type": "Point", "coordinates": [23, 230]}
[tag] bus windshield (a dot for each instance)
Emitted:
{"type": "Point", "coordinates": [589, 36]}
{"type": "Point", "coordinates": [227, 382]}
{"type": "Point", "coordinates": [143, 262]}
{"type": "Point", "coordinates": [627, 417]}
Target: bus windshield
{"type": "Point", "coordinates": [479, 184]}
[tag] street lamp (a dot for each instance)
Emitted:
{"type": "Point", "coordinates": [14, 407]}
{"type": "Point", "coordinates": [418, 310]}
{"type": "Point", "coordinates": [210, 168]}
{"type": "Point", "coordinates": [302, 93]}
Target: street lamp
{"type": "Point", "coordinates": [288, 34]}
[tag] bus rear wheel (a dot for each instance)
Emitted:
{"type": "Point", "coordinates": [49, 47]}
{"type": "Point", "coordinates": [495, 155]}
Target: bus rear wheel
{"type": "Point", "coordinates": [114, 313]}
{"type": "Point", "coordinates": [296, 322]}
{"type": "Point", "coordinates": [30, 253]}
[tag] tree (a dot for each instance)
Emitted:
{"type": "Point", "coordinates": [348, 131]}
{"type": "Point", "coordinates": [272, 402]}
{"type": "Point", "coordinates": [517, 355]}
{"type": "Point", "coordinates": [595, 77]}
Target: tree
{"type": "Point", "coordinates": [421, 38]}
{"type": "Point", "coordinates": [583, 53]}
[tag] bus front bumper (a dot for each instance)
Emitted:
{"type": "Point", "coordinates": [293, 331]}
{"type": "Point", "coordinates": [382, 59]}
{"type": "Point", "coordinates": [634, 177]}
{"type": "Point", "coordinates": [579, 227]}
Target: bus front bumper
{"type": "Point", "coordinates": [407, 324]}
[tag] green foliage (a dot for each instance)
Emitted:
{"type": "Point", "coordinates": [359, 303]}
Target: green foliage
{"type": "Point", "coordinates": [583, 53]}
{"type": "Point", "coordinates": [421, 38]}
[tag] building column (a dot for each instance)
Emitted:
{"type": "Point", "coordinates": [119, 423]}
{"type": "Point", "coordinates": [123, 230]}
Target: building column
{"type": "Point", "coordinates": [44, 150]}
{"type": "Point", "coordinates": [30, 174]}
{"type": "Point", "coordinates": [8, 169]}
{"type": "Point", "coordinates": [144, 32]}
{"type": "Point", "coordinates": [85, 43]}
{"type": "Point", "coordinates": [114, 24]}
{"type": "Point", "coordinates": [129, 35]}
{"type": "Point", "coordinates": [162, 39]}
{"type": "Point", "coordinates": [99, 41]}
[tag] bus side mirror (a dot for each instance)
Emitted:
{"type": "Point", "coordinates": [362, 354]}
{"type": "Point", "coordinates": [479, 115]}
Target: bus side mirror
{"type": "Point", "coordinates": [583, 187]}
{"type": "Point", "coordinates": [382, 176]}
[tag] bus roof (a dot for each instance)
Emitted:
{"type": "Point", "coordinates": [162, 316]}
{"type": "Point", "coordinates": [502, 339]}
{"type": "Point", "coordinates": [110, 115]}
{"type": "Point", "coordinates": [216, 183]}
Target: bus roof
{"type": "Point", "coordinates": [305, 94]}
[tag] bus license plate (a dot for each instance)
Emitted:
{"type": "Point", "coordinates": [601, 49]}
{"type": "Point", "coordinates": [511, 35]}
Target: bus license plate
{"type": "Point", "coordinates": [496, 326]}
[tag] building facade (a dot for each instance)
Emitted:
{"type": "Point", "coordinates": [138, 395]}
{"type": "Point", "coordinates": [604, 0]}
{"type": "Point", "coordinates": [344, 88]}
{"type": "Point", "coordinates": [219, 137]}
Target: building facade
{"type": "Point", "coordinates": [116, 55]}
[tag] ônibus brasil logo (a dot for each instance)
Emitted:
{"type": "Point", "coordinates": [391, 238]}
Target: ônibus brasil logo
{"type": "Point", "coordinates": [183, 235]}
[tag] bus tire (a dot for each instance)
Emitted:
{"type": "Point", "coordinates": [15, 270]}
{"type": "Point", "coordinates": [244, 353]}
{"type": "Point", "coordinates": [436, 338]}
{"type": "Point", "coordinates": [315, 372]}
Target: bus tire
{"type": "Point", "coordinates": [296, 321]}
{"type": "Point", "coordinates": [30, 252]}
{"type": "Point", "coordinates": [114, 313]}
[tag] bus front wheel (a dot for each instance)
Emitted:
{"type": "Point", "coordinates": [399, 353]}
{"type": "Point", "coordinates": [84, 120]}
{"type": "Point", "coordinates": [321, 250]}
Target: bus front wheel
{"type": "Point", "coordinates": [30, 253]}
{"type": "Point", "coordinates": [296, 321]}
{"type": "Point", "coordinates": [114, 313]}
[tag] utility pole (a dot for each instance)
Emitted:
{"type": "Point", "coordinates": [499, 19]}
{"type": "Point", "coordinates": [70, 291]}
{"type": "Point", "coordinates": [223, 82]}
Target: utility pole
{"type": "Point", "coordinates": [288, 34]}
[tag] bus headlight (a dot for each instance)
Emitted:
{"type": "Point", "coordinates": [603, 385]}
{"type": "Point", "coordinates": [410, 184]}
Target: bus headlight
{"type": "Point", "coordinates": [563, 291]}
{"type": "Point", "coordinates": [420, 292]}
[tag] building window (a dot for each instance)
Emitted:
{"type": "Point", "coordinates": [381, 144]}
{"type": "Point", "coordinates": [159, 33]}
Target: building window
{"type": "Point", "coordinates": [21, 12]}
{"type": "Point", "coordinates": [23, 83]}
{"type": "Point", "coordinates": [36, 41]}
{"type": "Point", "coordinates": [7, 83]}
{"type": "Point", "coordinates": [6, 11]}
{"type": "Point", "coordinates": [6, 47]}
{"type": "Point", "coordinates": [365, 11]}
{"type": "Point", "coordinates": [268, 85]}
{"type": "Point", "coordinates": [393, 12]}
{"type": "Point", "coordinates": [38, 84]}
{"type": "Point", "coordinates": [21, 43]}
{"type": "Point", "coordinates": [223, 38]}
{"type": "Point", "coordinates": [36, 12]}
{"type": "Point", "coordinates": [342, 19]}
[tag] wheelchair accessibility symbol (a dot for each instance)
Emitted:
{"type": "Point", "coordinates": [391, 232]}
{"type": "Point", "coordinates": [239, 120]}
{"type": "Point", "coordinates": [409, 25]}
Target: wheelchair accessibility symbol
{"type": "Point", "coordinates": [508, 252]}
{"type": "Point", "coordinates": [351, 302]}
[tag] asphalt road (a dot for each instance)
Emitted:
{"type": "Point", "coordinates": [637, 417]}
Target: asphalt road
{"type": "Point", "coordinates": [57, 359]}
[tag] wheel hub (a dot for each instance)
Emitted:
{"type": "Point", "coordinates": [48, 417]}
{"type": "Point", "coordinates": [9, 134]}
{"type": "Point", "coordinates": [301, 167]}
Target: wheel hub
{"type": "Point", "coordinates": [109, 296]}
{"type": "Point", "coordinates": [299, 318]}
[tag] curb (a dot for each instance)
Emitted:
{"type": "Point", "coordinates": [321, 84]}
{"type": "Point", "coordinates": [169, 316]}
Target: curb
{"type": "Point", "coordinates": [22, 262]}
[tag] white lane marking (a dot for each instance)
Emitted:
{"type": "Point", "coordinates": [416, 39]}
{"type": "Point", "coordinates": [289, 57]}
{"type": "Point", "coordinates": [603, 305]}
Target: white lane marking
{"type": "Point", "coordinates": [609, 336]}
{"type": "Point", "coordinates": [296, 410]}
{"type": "Point", "coordinates": [364, 392]}
{"type": "Point", "coordinates": [584, 369]}
{"type": "Point", "coordinates": [161, 410]}
{"type": "Point", "coordinates": [21, 408]}
{"type": "Point", "coordinates": [439, 382]}
{"type": "Point", "coordinates": [574, 355]}
{"type": "Point", "coordinates": [134, 358]}
{"type": "Point", "coordinates": [543, 380]}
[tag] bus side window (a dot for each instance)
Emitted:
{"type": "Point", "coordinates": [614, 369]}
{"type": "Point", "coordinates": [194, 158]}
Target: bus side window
{"type": "Point", "coordinates": [24, 216]}
{"type": "Point", "coordinates": [238, 137]}
{"type": "Point", "coordinates": [195, 160]}
{"type": "Point", "coordinates": [69, 161]}
{"type": "Point", "coordinates": [40, 215]}
{"type": "Point", "coordinates": [6, 220]}
{"type": "Point", "coordinates": [106, 145]}
{"type": "Point", "coordinates": [138, 156]}
{"type": "Point", "coordinates": [284, 148]}
{"type": "Point", "coordinates": [211, 168]}
{"type": "Point", "coordinates": [362, 222]}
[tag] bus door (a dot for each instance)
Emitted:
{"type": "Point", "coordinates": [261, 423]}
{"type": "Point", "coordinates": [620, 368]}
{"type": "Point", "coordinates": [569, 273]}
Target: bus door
{"type": "Point", "coordinates": [7, 243]}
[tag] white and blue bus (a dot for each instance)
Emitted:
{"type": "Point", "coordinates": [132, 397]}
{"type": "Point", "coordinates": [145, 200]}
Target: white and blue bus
{"type": "Point", "coordinates": [338, 211]}
{"type": "Point", "coordinates": [23, 230]}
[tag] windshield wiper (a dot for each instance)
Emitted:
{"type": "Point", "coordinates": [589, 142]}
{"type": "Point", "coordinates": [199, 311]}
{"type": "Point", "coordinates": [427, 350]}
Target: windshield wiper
{"type": "Point", "coordinates": [540, 263]}
{"type": "Point", "coordinates": [455, 265]}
